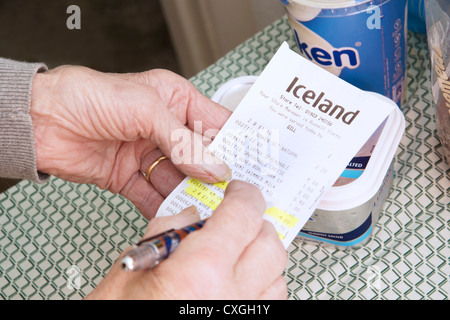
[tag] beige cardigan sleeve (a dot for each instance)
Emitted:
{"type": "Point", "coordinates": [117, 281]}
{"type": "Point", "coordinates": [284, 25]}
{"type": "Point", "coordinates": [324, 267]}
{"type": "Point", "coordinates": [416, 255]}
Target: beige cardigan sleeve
{"type": "Point", "coordinates": [17, 150]}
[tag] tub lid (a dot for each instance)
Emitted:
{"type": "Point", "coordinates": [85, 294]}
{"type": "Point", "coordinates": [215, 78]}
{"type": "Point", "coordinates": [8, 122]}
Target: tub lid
{"type": "Point", "coordinates": [232, 92]}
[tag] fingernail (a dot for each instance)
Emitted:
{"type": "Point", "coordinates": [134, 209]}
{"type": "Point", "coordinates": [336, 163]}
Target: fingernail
{"type": "Point", "coordinates": [221, 172]}
{"type": "Point", "coordinates": [215, 167]}
{"type": "Point", "coordinates": [191, 211]}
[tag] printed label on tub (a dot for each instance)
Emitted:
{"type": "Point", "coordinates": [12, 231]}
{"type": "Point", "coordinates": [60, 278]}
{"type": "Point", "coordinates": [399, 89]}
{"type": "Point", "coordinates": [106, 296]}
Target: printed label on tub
{"type": "Point", "coordinates": [292, 136]}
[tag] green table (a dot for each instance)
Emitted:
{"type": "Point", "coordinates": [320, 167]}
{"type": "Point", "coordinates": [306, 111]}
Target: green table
{"type": "Point", "coordinates": [58, 240]}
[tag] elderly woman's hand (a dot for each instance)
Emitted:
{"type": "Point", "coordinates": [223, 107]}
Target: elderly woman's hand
{"type": "Point", "coordinates": [106, 129]}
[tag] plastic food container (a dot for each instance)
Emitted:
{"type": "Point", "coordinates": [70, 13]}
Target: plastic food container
{"type": "Point", "coordinates": [349, 212]}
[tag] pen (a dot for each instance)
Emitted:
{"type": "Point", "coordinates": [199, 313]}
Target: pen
{"type": "Point", "coordinates": [148, 253]}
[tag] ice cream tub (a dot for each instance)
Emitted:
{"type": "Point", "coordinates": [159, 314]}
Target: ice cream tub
{"type": "Point", "coordinates": [349, 212]}
{"type": "Point", "coordinates": [361, 41]}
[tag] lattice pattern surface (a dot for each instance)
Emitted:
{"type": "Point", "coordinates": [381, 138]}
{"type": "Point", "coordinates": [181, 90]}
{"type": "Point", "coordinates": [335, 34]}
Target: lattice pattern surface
{"type": "Point", "coordinates": [58, 240]}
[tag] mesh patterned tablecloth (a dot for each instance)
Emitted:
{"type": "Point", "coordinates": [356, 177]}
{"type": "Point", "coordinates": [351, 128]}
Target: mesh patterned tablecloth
{"type": "Point", "coordinates": [58, 240]}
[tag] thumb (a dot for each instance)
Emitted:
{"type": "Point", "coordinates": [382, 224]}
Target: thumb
{"type": "Point", "coordinates": [186, 150]}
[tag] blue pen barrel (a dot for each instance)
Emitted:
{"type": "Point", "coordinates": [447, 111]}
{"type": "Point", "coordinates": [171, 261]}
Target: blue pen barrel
{"type": "Point", "coordinates": [169, 241]}
{"type": "Point", "coordinates": [150, 252]}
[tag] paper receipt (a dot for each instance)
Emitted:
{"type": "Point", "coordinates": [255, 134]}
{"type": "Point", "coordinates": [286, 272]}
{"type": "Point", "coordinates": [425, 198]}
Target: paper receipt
{"type": "Point", "coordinates": [292, 136]}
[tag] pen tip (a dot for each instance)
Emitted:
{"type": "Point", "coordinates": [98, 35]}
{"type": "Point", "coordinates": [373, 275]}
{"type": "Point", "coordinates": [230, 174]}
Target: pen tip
{"type": "Point", "coordinates": [127, 264]}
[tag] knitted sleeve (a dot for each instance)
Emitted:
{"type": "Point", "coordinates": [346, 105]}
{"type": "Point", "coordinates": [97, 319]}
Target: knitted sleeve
{"type": "Point", "coordinates": [17, 150]}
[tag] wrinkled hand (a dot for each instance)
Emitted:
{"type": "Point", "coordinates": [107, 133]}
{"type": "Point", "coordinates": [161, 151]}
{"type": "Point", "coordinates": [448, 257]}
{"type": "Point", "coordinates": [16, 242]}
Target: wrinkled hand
{"type": "Point", "coordinates": [105, 129]}
{"type": "Point", "coordinates": [236, 255]}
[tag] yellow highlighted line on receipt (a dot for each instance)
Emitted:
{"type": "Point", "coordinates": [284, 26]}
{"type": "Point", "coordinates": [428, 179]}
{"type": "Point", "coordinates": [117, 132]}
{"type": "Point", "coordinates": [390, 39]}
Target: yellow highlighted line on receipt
{"type": "Point", "coordinates": [199, 184]}
{"type": "Point", "coordinates": [210, 199]}
{"type": "Point", "coordinates": [202, 193]}
{"type": "Point", "coordinates": [222, 185]}
{"type": "Point", "coordinates": [282, 217]}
